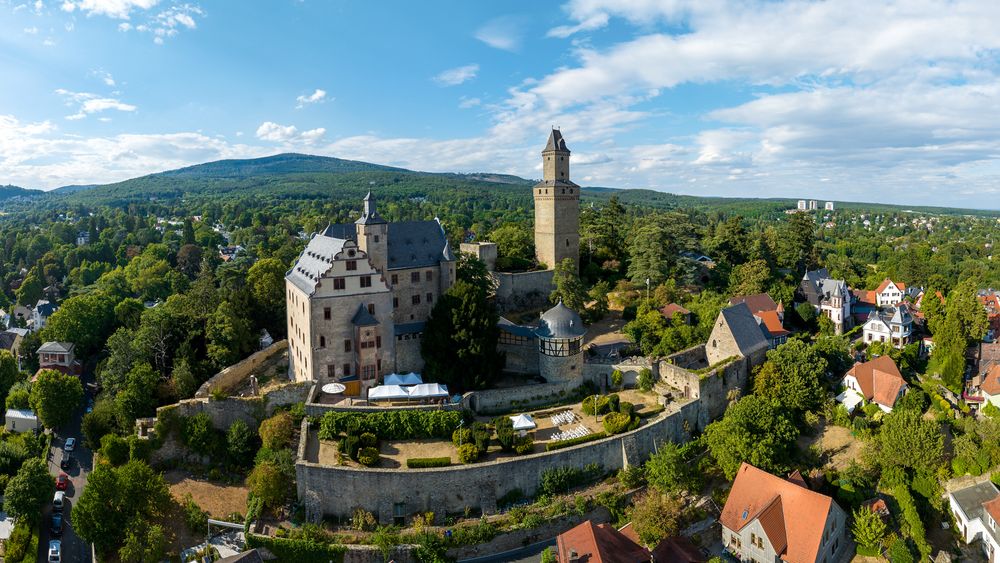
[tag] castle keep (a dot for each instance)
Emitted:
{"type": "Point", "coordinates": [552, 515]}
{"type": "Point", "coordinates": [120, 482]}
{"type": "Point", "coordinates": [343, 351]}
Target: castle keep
{"type": "Point", "coordinates": [557, 207]}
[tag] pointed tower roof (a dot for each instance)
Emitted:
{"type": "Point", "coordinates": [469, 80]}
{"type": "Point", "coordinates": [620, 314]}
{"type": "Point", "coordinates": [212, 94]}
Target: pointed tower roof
{"type": "Point", "coordinates": [370, 215]}
{"type": "Point", "coordinates": [556, 142]}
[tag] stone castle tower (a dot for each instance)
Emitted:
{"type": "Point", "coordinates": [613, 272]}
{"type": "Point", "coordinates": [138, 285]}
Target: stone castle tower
{"type": "Point", "coordinates": [373, 235]}
{"type": "Point", "coordinates": [557, 207]}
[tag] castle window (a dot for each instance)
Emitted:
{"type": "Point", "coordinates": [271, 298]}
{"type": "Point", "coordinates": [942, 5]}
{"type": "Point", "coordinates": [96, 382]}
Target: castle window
{"type": "Point", "coordinates": [378, 341]}
{"type": "Point", "coordinates": [338, 283]}
{"type": "Point", "coordinates": [376, 238]}
{"type": "Point", "coordinates": [564, 189]}
{"type": "Point", "coordinates": [395, 279]}
{"type": "Point", "coordinates": [352, 265]}
{"type": "Point", "coordinates": [428, 275]}
{"type": "Point", "coordinates": [414, 277]}
{"type": "Point", "coordinates": [322, 342]}
{"type": "Point", "coordinates": [347, 369]}
{"type": "Point", "coordinates": [415, 299]}
{"type": "Point", "coordinates": [366, 281]}
{"type": "Point", "coordinates": [347, 345]}
{"type": "Point", "coordinates": [326, 313]}
{"type": "Point", "coordinates": [395, 302]}
{"type": "Point", "coordinates": [567, 243]}
{"type": "Point", "coordinates": [331, 371]}
{"type": "Point", "coordinates": [430, 297]}
{"type": "Point", "coordinates": [371, 308]}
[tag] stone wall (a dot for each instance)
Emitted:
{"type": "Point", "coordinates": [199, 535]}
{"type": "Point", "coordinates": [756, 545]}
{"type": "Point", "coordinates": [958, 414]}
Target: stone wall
{"type": "Point", "coordinates": [232, 376]}
{"type": "Point", "coordinates": [520, 358]}
{"type": "Point", "coordinates": [490, 401]}
{"type": "Point", "coordinates": [318, 409]}
{"type": "Point", "coordinates": [408, 356]}
{"type": "Point", "coordinates": [485, 251]}
{"type": "Point", "coordinates": [248, 409]}
{"type": "Point", "coordinates": [714, 388]}
{"type": "Point", "coordinates": [600, 372]}
{"type": "Point", "coordinates": [445, 490]}
{"type": "Point", "coordinates": [522, 290]}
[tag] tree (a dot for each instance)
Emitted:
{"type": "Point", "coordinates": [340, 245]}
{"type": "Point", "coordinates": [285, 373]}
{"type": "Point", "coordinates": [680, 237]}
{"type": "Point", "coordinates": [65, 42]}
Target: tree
{"type": "Point", "coordinates": [138, 397]}
{"type": "Point", "coordinates": [472, 271]}
{"type": "Point", "coordinates": [19, 396]}
{"type": "Point", "coordinates": [30, 290]}
{"type": "Point", "coordinates": [114, 449]}
{"type": "Point", "coordinates": [266, 279]}
{"type": "Point", "coordinates": [101, 421]}
{"type": "Point", "coordinates": [756, 431]}
{"type": "Point", "coordinates": [128, 312]}
{"type": "Point", "coordinates": [750, 278]}
{"type": "Point", "coordinates": [8, 372]}
{"type": "Point", "coordinates": [240, 443]}
{"type": "Point", "coordinates": [28, 491]}
{"type": "Point", "coordinates": [189, 260]}
{"type": "Point", "coordinates": [667, 470]}
{"type": "Point", "coordinates": [932, 307]}
{"type": "Point", "coordinates": [144, 542]}
{"type": "Point", "coordinates": [652, 256]}
{"type": "Point", "coordinates": [116, 497]}
{"type": "Point", "coordinates": [568, 286]}
{"type": "Point", "coordinates": [655, 517]}
{"type": "Point", "coordinates": [182, 379]}
{"type": "Point", "coordinates": [230, 336]}
{"type": "Point", "coordinates": [908, 441]}
{"type": "Point", "coordinates": [514, 242]}
{"type": "Point", "coordinates": [868, 528]}
{"type": "Point", "coordinates": [792, 377]}
{"type": "Point", "coordinates": [459, 344]}
{"type": "Point", "coordinates": [199, 435]}
{"type": "Point", "coordinates": [54, 397]}
{"type": "Point", "coordinates": [268, 483]}
{"type": "Point", "coordinates": [85, 320]}
{"type": "Point", "coordinates": [796, 246]}
{"type": "Point", "coordinates": [275, 432]}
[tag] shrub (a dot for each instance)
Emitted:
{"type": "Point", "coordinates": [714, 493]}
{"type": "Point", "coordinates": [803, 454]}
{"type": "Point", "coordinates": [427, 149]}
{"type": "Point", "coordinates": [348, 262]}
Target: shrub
{"type": "Point", "coordinates": [468, 453]}
{"type": "Point", "coordinates": [421, 462]}
{"type": "Point", "coordinates": [276, 431]}
{"type": "Point", "coordinates": [195, 518]}
{"type": "Point", "coordinates": [368, 456]}
{"type": "Point", "coordinates": [626, 408]}
{"type": "Point", "coordinates": [617, 378]}
{"type": "Point", "coordinates": [301, 551]}
{"type": "Point", "coordinates": [504, 429]}
{"type": "Point", "coordinates": [461, 436]}
{"type": "Point", "coordinates": [481, 437]}
{"type": "Point", "coordinates": [632, 476]}
{"type": "Point", "coordinates": [363, 521]}
{"type": "Point", "coordinates": [645, 380]}
{"type": "Point", "coordinates": [613, 402]}
{"type": "Point", "coordinates": [560, 444]}
{"type": "Point", "coordinates": [115, 449]}
{"type": "Point", "coordinates": [616, 423]}
{"type": "Point", "coordinates": [268, 483]}
{"type": "Point", "coordinates": [369, 440]}
{"type": "Point", "coordinates": [392, 425]}
{"type": "Point", "coordinates": [912, 519]}
{"type": "Point", "coordinates": [524, 445]}
{"type": "Point", "coordinates": [603, 405]}
{"type": "Point", "coordinates": [199, 435]}
{"type": "Point", "coordinates": [16, 547]}
{"type": "Point", "coordinates": [350, 445]}
{"type": "Point", "coordinates": [561, 479]}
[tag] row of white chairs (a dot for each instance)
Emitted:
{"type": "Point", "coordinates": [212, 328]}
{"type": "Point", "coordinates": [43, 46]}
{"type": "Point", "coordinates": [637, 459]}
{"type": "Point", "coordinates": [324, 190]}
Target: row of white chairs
{"type": "Point", "coordinates": [577, 432]}
{"type": "Point", "coordinates": [563, 418]}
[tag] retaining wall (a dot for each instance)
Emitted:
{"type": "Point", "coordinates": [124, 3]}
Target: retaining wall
{"type": "Point", "coordinates": [386, 492]}
{"type": "Point", "coordinates": [490, 401]}
{"type": "Point", "coordinates": [522, 290]}
{"type": "Point", "coordinates": [237, 373]}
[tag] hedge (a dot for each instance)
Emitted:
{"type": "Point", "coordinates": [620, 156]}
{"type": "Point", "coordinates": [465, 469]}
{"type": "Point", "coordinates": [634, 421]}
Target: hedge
{"type": "Point", "coordinates": [299, 550]}
{"type": "Point", "coordinates": [616, 423]}
{"type": "Point", "coordinates": [421, 462]}
{"type": "Point", "coordinates": [391, 425]}
{"type": "Point", "coordinates": [559, 444]}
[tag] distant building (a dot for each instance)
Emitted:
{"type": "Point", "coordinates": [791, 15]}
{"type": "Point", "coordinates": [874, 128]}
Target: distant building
{"type": "Point", "coordinates": [889, 293]}
{"type": "Point", "coordinates": [668, 311]}
{"type": "Point", "coordinates": [736, 334]}
{"type": "Point", "coordinates": [893, 325]}
{"type": "Point", "coordinates": [828, 206]}
{"type": "Point", "coordinates": [20, 420]}
{"type": "Point", "coordinates": [803, 205]}
{"type": "Point", "coordinates": [40, 316]}
{"type": "Point", "coordinates": [58, 356]}
{"type": "Point", "coordinates": [813, 205]}
{"type": "Point", "coordinates": [770, 316]}
{"type": "Point", "coordinates": [829, 297]}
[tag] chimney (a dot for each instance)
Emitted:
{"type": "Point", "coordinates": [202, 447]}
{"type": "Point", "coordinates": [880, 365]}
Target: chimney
{"type": "Point", "coordinates": [573, 557]}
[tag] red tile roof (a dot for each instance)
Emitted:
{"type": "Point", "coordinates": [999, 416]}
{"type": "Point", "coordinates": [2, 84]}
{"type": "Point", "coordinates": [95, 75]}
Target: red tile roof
{"type": "Point", "coordinates": [772, 323]}
{"type": "Point", "coordinates": [879, 379]}
{"type": "Point", "coordinates": [993, 508]}
{"type": "Point", "coordinates": [677, 550]}
{"type": "Point", "coordinates": [885, 284]}
{"type": "Point", "coordinates": [792, 516]}
{"type": "Point", "coordinates": [991, 383]}
{"type": "Point", "coordinates": [756, 302]}
{"type": "Point", "coordinates": [864, 296]}
{"type": "Point", "coordinates": [670, 310]}
{"type": "Point", "coordinates": [599, 544]}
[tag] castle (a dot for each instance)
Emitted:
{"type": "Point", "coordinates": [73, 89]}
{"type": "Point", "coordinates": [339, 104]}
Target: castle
{"type": "Point", "coordinates": [359, 295]}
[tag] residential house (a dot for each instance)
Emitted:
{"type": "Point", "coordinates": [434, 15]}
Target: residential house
{"type": "Point", "coordinates": [19, 316]}
{"type": "Point", "coordinates": [58, 356]}
{"type": "Point", "coordinates": [893, 325]}
{"type": "Point", "coordinates": [599, 543]}
{"type": "Point", "coordinates": [768, 519]}
{"type": "Point", "coordinates": [829, 297]}
{"type": "Point", "coordinates": [40, 316]}
{"type": "Point", "coordinates": [770, 316]}
{"type": "Point", "coordinates": [668, 312]}
{"type": "Point", "coordinates": [82, 238]}
{"type": "Point", "coordinates": [20, 420]}
{"type": "Point", "coordinates": [988, 388]}
{"type": "Point", "coordinates": [736, 334]}
{"type": "Point", "coordinates": [877, 381]}
{"type": "Point", "coordinates": [990, 301]}
{"type": "Point", "coordinates": [889, 293]}
{"type": "Point", "coordinates": [977, 510]}
{"type": "Point", "coordinates": [10, 340]}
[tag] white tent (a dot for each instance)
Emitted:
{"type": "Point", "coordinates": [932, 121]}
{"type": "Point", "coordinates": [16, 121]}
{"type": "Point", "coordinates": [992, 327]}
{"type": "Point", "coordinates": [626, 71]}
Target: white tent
{"type": "Point", "coordinates": [403, 379]}
{"type": "Point", "coordinates": [850, 399]}
{"type": "Point", "coordinates": [387, 393]}
{"type": "Point", "coordinates": [428, 391]}
{"type": "Point", "coordinates": [523, 422]}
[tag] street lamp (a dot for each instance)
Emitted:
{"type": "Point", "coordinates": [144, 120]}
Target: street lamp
{"type": "Point", "coordinates": [647, 290]}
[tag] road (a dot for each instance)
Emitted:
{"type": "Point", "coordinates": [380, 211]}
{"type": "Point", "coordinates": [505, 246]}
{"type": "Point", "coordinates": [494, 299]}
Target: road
{"type": "Point", "coordinates": [74, 548]}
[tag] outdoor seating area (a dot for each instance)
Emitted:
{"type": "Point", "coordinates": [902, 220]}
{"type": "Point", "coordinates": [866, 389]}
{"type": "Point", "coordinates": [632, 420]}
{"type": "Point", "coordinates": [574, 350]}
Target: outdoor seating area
{"type": "Point", "coordinates": [578, 432]}
{"type": "Point", "coordinates": [567, 417]}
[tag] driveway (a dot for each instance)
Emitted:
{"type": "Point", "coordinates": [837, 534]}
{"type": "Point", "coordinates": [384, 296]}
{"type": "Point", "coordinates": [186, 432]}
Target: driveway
{"type": "Point", "coordinates": [74, 548]}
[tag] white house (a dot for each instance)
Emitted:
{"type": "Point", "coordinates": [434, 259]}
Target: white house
{"type": "Point", "coordinates": [892, 325]}
{"type": "Point", "coordinates": [20, 420]}
{"type": "Point", "coordinates": [40, 316]}
{"type": "Point", "coordinates": [889, 293]}
{"type": "Point", "coordinates": [976, 510]}
{"type": "Point", "coordinates": [877, 381]}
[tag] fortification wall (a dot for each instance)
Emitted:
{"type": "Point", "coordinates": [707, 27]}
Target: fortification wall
{"type": "Point", "coordinates": [522, 290]}
{"type": "Point", "coordinates": [520, 358]}
{"type": "Point", "coordinates": [600, 372]}
{"type": "Point", "coordinates": [388, 492]}
{"type": "Point", "coordinates": [408, 356]}
{"type": "Point", "coordinates": [237, 373]}
{"type": "Point", "coordinates": [250, 410]}
{"type": "Point", "coordinates": [502, 400]}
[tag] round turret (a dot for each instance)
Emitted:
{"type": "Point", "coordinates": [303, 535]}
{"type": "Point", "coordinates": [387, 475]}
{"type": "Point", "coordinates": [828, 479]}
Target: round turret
{"type": "Point", "coordinates": [560, 344]}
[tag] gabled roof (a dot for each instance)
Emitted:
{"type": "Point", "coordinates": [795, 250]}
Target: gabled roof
{"type": "Point", "coordinates": [7, 340]}
{"type": "Point", "coordinates": [410, 244]}
{"type": "Point", "coordinates": [885, 284]}
{"type": "Point", "coordinates": [363, 318]}
{"type": "Point", "coordinates": [770, 323]}
{"type": "Point", "coordinates": [315, 260]}
{"type": "Point", "coordinates": [756, 302]}
{"type": "Point", "coordinates": [879, 379]}
{"type": "Point", "coordinates": [672, 309]}
{"type": "Point", "coordinates": [677, 549]}
{"type": "Point", "coordinates": [555, 142]}
{"type": "Point", "coordinates": [45, 308]}
{"type": "Point", "coordinates": [743, 326]}
{"type": "Point", "coordinates": [991, 382]}
{"type": "Point", "coordinates": [792, 516]}
{"type": "Point", "coordinates": [599, 544]}
{"type": "Point", "coordinates": [56, 347]}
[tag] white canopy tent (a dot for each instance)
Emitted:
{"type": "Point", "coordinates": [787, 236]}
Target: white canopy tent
{"type": "Point", "coordinates": [428, 391]}
{"type": "Point", "coordinates": [523, 423]}
{"type": "Point", "coordinates": [403, 379]}
{"type": "Point", "coordinates": [387, 393]}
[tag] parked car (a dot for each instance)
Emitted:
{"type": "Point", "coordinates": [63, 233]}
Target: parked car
{"type": "Point", "coordinates": [66, 461]}
{"type": "Point", "coordinates": [57, 524]}
{"type": "Point", "coordinates": [58, 501]}
{"type": "Point", "coordinates": [55, 551]}
{"type": "Point", "coordinates": [62, 482]}
{"type": "Point", "coordinates": [70, 445]}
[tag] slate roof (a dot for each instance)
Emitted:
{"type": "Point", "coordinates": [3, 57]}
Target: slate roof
{"type": "Point", "coordinates": [7, 339]}
{"type": "Point", "coordinates": [817, 287]}
{"type": "Point", "coordinates": [793, 517]}
{"type": "Point", "coordinates": [409, 328]}
{"type": "Point", "coordinates": [411, 244]}
{"type": "Point", "coordinates": [555, 142]}
{"type": "Point", "coordinates": [561, 322]}
{"type": "Point", "coordinates": [370, 215]}
{"type": "Point", "coordinates": [56, 347]}
{"type": "Point", "coordinates": [252, 556]}
{"type": "Point", "coordinates": [363, 318]}
{"type": "Point", "coordinates": [315, 260]}
{"type": "Point", "coordinates": [746, 332]}
{"type": "Point", "coordinates": [507, 325]}
{"type": "Point", "coordinates": [45, 308]}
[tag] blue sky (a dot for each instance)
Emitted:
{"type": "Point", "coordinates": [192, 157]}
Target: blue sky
{"type": "Point", "coordinates": [845, 99]}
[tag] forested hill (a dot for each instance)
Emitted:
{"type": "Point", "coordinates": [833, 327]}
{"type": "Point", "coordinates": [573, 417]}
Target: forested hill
{"type": "Point", "coordinates": [10, 192]}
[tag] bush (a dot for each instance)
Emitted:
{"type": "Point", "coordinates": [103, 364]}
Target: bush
{"type": "Point", "coordinates": [632, 476]}
{"type": "Point", "coordinates": [421, 462]}
{"type": "Point", "coordinates": [603, 405]}
{"type": "Point", "coordinates": [369, 440]}
{"type": "Point", "coordinates": [616, 423]}
{"type": "Point", "coordinates": [645, 380]}
{"type": "Point", "coordinates": [560, 444]}
{"type": "Point", "coordinates": [276, 432]}
{"type": "Point", "coordinates": [468, 453]}
{"type": "Point", "coordinates": [303, 551]}
{"type": "Point", "coordinates": [524, 444]}
{"type": "Point", "coordinates": [350, 445]}
{"type": "Point", "coordinates": [368, 456]}
{"type": "Point", "coordinates": [363, 521]}
{"type": "Point", "coordinates": [268, 483]}
{"type": "Point", "coordinates": [504, 429]}
{"type": "Point", "coordinates": [461, 436]}
{"type": "Point", "coordinates": [626, 408]}
{"type": "Point", "coordinates": [115, 449]}
{"type": "Point", "coordinates": [911, 517]}
{"type": "Point", "coordinates": [613, 402]}
{"type": "Point", "coordinates": [392, 425]}
{"type": "Point", "coordinates": [199, 435]}
{"type": "Point", "coordinates": [561, 479]}
{"type": "Point", "coordinates": [195, 518]}
{"type": "Point", "coordinates": [617, 378]}
{"type": "Point", "coordinates": [17, 545]}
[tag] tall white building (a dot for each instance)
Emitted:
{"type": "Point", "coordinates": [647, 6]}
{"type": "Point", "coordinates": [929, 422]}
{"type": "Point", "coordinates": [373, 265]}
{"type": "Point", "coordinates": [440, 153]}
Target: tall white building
{"type": "Point", "coordinates": [812, 205]}
{"type": "Point", "coordinates": [828, 206]}
{"type": "Point", "coordinates": [802, 205]}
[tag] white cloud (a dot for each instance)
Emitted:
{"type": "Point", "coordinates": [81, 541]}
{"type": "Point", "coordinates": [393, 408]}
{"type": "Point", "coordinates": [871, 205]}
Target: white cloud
{"type": "Point", "coordinates": [104, 76]}
{"type": "Point", "coordinates": [457, 75]}
{"type": "Point", "coordinates": [288, 134]}
{"type": "Point", "coordinates": [87, 103]}
{"type": "Point", "coordinates": [502, 33]}
{"type": "Point", "coordinates": [466, 103]}
{"type": "Point", "coordinates": [318, 96]}
{"type": "Point", "coordinates": [118, 9]}
{"type": "Point", "coordinates": [31, 30]}
{"type": "Point", "coordinates": [160, 25]}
